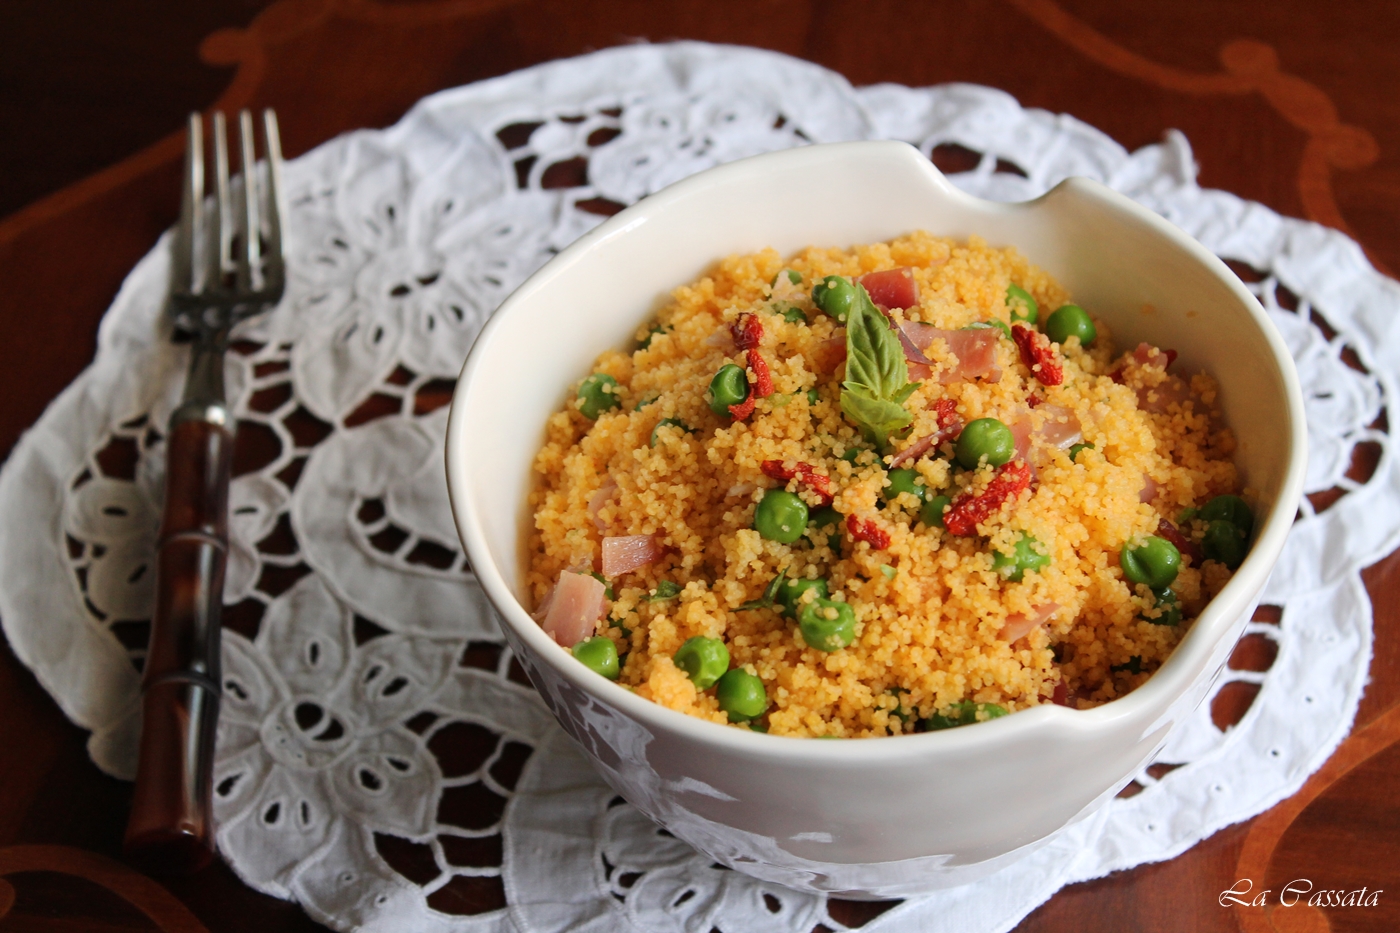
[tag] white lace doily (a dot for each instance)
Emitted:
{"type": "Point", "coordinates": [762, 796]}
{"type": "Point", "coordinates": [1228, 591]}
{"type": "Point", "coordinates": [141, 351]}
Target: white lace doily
{"type": "Point", "coordinates": [380, 760]}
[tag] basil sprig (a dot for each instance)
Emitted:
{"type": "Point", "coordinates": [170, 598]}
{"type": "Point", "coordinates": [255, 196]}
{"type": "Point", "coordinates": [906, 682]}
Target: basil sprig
{"type": "Point", "coordinates": [877, 378]}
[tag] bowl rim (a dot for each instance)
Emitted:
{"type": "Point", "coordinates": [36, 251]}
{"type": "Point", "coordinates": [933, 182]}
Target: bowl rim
{"type": "Point", "coordinates": [1160, 691]}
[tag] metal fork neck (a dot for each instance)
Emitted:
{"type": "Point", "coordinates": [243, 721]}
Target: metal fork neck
{"type": "Point", "coordinates": [204, 386]}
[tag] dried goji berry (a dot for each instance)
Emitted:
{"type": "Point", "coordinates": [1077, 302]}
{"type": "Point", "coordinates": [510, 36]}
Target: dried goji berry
{"type": "Point", "coordinates": [763, 379]}
{"type": "Point", "coordinates": [805, 472]}
{"type": "Point", "coordinates": [947, 411]}
{"type": "Point", "coordinates": [747, 331]}
{"type": "Point", "coordinates": [968, 510]}
{"type": "Point", "coordinates": [869, 532]}
{"type": "Point", "coordinates": [743, 409]}
{"type": "Point", "coordinates": [1038, 354]}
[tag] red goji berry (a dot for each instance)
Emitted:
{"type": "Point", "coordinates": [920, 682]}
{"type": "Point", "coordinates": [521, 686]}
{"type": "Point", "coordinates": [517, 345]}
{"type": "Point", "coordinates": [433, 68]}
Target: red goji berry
{"type": "Point", "coordinates": [747, 331]}
{"type": "Point", "coordinates": [743, 409]}
{"type": "Point", "coordinates": [1038, 354]}
{"type": "Point", "coordinates": [968, 510]}
{"type": "Point", "coordinates": [947, 411]}
{"type": "Point", "coordinates": [805, 472]}
{"type": "Point", "coordinates": [869, 532]}
{"type": "Point", "coordinates": [763, 379]}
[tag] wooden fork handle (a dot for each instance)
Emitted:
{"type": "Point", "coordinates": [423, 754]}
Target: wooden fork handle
{"type": "Point", "coordinates": [171, 827]}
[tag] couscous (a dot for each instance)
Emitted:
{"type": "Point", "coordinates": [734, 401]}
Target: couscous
{"type": "Point", "coordinates": [871, 491]}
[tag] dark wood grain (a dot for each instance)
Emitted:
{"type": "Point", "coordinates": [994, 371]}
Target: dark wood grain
{"type": "Point", "coordinates": [93, 101]}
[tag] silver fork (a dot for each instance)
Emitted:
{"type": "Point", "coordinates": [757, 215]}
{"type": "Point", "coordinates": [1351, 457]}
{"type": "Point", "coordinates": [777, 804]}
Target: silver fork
{"type": "Point", "coordinates": [223, 269]}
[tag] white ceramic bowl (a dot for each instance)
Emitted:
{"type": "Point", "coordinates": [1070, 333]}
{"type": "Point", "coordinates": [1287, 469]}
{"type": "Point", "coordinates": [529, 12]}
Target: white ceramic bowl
{"type": "Point", "coordinates": [880, 817]}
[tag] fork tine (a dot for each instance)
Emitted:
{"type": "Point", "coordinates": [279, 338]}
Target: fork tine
{"type": "Point", "coordinates": [274, 270]}
{"type": "Point", "coordinates": [184, 266]}
{"type": "Point", "coordinates": [221, 224]}
{"type": "Point", "coordinates": [247, 260]}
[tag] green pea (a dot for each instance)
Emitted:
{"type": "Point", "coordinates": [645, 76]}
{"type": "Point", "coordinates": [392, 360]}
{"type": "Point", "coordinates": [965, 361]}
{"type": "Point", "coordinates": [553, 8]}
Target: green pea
{"type": "Point", "coordinates": [1022, 306]}
{"type": "Point", "coordinates": [757, 727]}
{"type": "Point", "coordinates": [834, 296]}
{"type": "Point", "coordinates": [1188, 514]}
{"type": "Point", "coordinates": [741, 695]}
{"type": "Point", "coordinates": [1170, 608]}
{"type": "Point", "coordinates": [1076, 448]}
{"type": "Point", "coordinates": [813, 397]}
{"type": "Point", "coordinates": [999, 324]}
{"type": "Point", "coordinates": [985, 438]}
{"type": "Point", "coordinates": [704, 660]}
{"type": "Point", "coordinates": [793, 276]}
{"type": "Point", "coordinates": [645, 402]}
{"type": "Point", "coordinates": [791, 592]}
{"type": "Point", "coordinates": [1023, 557]}
{"type": "Point", "coordinates": [1154, 562]}
{"type": "Point", "coordinates": [673, 422]}
{"type": "Point", "coordinates": [904, 480]}
{"type": "Point", "coordinates": [730, 386]}
{"type": "Point", "coordinates": [780, 516]}
{"type": "Point", "coordinates": [963, 713]}
{"type": "Point", "coordinates": [1134, 665]}
{"type": "Point", "coordinates": [1071, 321]}
{"type": "Point", "coordinates": [827, 624]}
{"type": "Point", "coordinates": [932, 512]}
{"type": "Point", "coordinates": [1231, 509]}
{"type": "Point", "coordinates": [1225, 542]}
{"type": "Point", "coordinates": [794, 315]}
{"type": "Point", "coordinates": [599, 655]}
{"type": "Point", "coordinates": [599, 393]}
{"type": "Point", "coordinates": [852, 454]}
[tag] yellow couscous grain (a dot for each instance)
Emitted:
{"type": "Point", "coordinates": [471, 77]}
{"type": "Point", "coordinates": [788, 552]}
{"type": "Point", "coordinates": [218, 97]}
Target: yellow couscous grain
{"type": "Point", "coordinates": [936, 623]}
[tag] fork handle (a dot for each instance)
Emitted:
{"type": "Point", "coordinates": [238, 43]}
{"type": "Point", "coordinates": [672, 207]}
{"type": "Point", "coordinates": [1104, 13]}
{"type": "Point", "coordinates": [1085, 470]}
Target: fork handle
{"type": "Point", "coordinates": [171, 827]}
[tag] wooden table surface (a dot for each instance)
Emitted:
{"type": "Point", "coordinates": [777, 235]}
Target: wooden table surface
{"type": "Point", "coordinates": [1292, 103]}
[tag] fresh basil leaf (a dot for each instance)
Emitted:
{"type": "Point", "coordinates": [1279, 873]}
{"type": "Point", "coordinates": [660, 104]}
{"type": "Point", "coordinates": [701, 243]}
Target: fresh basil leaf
{"type": "Point", "coordinates": [877, 377]}
{"type": "Point", "coordinates": [878, 418]}
{"type": "Point", "coordinates": [874, 356]}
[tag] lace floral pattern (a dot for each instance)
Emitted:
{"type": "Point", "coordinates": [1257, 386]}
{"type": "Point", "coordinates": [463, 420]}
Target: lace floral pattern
{"type": "Point", "coordinates": [382, 759]}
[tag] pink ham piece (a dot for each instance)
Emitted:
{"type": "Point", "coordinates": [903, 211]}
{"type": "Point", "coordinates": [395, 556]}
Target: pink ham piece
{"type": "Point", "coordinates": [1161, 397]}
{"type": "Point", "coordinates": [920, 366]}
{"type": "Point", "coordinates": [1019, 625]}
{"type": "Point", "coordinates": [1148, 355]}
{"type": "Point", "coordinates": [975, 350]}
{"type": "Point", "coordinates": [570, 612]}
{"type": "Point", "coordinates": [893, 288]}
{"type": "Point", "coordinates": [1149, 489]}
{"type": "Point", "coordinates": [950, 426]}
{"type": "Point", "coordinates": [1021, 431]}
{"type": "Point", "coordinates": [599, 499]}
{"type": "Point", "coordinates": [624, 553]}
{"type": "Point", "coordinates": [1061, 427]}
{"type": "Point", "coordinates": [914, 451]}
